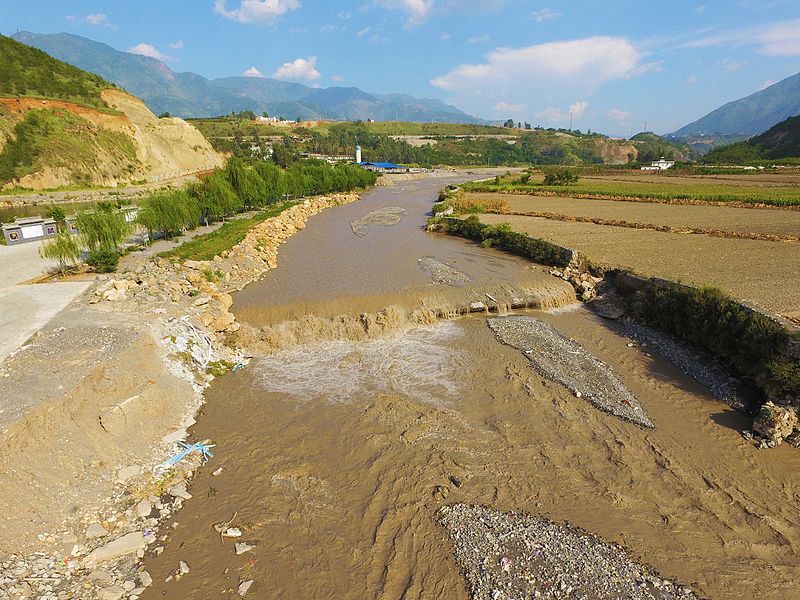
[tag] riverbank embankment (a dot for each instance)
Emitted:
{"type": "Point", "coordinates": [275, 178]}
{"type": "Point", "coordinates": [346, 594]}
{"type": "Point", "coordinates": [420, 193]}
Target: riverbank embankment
{"type": "Point", "coordinates": [759, 347]}
{"type": "Point", "coordinates": [107, 388]}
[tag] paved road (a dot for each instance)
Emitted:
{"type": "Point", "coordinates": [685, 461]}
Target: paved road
{"type": "Point", "coordinates": [25, 309]}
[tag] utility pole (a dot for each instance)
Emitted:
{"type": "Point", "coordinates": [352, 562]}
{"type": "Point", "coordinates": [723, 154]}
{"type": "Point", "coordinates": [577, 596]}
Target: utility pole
{"type": "Point", "coordinates": [570, 121]}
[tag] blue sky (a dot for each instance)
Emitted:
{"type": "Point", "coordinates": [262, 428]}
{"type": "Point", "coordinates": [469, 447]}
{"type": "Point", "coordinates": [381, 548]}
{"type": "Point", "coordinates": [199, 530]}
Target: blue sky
{"type": "Point", "coordinates": [612, 65]}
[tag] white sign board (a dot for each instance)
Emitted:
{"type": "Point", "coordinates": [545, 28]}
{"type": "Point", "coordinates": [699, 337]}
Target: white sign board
{"type": "Point", "coordinates": [32, 231]}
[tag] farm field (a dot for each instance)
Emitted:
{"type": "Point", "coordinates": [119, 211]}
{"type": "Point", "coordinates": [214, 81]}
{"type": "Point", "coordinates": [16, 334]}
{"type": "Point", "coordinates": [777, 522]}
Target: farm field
{"type": "Point", "coordinates": [759, 272]}
{"type": "Point", "coordinates": [730, 219]}
{"type": "Point", "coordinates": [666, 188]}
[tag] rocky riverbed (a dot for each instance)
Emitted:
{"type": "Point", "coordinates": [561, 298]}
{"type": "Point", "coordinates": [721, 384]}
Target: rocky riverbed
{"type": "Point", "coordinates": [507, 556]}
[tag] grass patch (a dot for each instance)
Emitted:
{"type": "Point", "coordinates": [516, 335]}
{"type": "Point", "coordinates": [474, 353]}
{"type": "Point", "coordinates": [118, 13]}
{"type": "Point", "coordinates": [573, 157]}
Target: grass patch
{"type": "Point", "coordinates": [214, 243]}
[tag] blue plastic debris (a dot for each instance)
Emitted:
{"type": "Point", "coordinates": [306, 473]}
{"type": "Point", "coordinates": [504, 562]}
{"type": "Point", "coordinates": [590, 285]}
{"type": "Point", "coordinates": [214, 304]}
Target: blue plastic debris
{"type": "Point", "coordinates": [204, 449]}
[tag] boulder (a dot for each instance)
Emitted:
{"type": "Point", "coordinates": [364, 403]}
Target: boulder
{"type": "Point", "coordinates": [127, 544]}
{"type": "Point", "coordinates": [775, 423]}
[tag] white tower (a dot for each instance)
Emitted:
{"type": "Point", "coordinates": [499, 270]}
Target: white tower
{"type": "Point", "coordinates": [358, 154]}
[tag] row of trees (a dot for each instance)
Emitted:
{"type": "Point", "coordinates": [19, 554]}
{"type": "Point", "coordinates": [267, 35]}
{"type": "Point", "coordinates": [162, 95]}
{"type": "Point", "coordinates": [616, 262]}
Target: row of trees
{"type": "Point", "coordinates": [245, 184]}
{"type": "Point", "coordinates": [241, 185]}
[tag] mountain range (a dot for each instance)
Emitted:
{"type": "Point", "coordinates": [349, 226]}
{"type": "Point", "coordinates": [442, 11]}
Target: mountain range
{"type": "Point", "coordinates": [751, 115]}
{"type": "Point", "coordinates": [191, 95]}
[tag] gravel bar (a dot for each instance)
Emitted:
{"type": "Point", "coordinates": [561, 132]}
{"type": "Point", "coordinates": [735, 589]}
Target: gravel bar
{"type": "Point", "coordinates": [565, 361]}
{"type": "Point", "coordinates": [442, 273]}
{"type": "Point", "coordinates": [383, 217]}
{"type": "Point", "coordinates": [507, 556]}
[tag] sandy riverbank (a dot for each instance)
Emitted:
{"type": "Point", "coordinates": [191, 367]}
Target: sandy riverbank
{"type": "Point", "coordinates": [99, 397]}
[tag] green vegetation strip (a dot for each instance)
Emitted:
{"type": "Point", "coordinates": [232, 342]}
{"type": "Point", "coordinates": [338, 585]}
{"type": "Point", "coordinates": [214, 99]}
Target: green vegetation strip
{"type": "Point", "coordinates": [209, 245]}
{"type": "Point", "coordinates": [503, 237]}
{"type": "Point", "coordinates": [755, 345]}
{"type": "Point", "coordinates": [666, 191]}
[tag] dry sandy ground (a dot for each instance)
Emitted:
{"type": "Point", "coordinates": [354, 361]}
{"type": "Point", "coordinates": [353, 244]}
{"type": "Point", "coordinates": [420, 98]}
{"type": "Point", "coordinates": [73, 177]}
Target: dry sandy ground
{"type": "Point", "coordinates": [759, 272]}
{"type": "Point", "coordinates": [749, 220]}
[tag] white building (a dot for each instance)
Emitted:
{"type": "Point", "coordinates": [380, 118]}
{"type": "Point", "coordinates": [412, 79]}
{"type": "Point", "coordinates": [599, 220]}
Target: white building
{"type": "Point", "coordinates": [660, 165]}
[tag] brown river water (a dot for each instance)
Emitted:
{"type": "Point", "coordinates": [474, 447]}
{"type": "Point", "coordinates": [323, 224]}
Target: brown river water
{"type": "Point", "coordinates": [336, 453]}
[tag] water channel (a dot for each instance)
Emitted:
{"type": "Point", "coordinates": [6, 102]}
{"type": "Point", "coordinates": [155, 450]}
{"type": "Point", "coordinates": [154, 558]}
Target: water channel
{"type": "Point", "coordinates": [337, 451]}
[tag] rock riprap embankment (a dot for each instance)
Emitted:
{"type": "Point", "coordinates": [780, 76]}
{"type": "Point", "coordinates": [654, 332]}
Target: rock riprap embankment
{"type": "Point", "coordinates": [202, 288]}
{"type": "Point", "coordinates": [507, 556]}
{"type": "Point", "coordinates": [565, 361]}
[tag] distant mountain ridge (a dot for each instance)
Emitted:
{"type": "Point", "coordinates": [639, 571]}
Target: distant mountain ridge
{"type": "Point", "coordinates": [751, 115]}
{"type": "Point", "coordinates": [191, 95]}
{"type": "Point", "coordinates": [779, 142]}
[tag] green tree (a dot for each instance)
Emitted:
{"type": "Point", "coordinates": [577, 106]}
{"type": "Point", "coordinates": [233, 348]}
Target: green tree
{"type": "Point", "coordinates": [57, 213]}
{"type": "Point", "coordinates": [64, 248]}
{"type": "Point", "coordinates": [103, 228]}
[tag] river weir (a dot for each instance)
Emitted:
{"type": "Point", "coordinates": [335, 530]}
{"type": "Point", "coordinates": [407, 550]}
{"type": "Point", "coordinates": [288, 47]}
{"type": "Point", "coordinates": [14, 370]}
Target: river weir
{"type": "Point", "coordinates": [384, 443]}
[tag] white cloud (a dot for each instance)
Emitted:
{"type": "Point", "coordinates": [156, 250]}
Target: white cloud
{"type": "Point", "coordinates": [592, 61]}
{"type": "Point", "coordinates": [479, 39]}
{"type": "Point", "coordinates": [253, 72]}
{"type": "Point", "coordinates": [618, 115]}
{"type": "Point", "coordinates": [337, 78]}
{"type": "Point", "coordinates": [505, 108]}
{"type": "Point", "coordinates": [691, 79]}
{"type": "Point", "coordinates": [556, 115]}
{"type": "Point", "coordinates": [545, 14]}
{"type": "Point", "coordinates": [331, 27]}
{"type": "Point", "coordinates": [418, 10]}
{"type": "Point", "coordinates": [767, 83]}
{"type": "Point", "coordinates": [148, 50]}
{"type": "Point", "coordinates": [775, 39]}
{"type": "Point", "coordinates": [256, 11]}
{"type": "Point", "coordinates": [96, 19]}
{"type": "Point", "coordinates": [300, 69]}
{"type": "Point", "coordinates": [445, 36]}
{"type": "Point", "coordinates": [176, 45]}
{"type": "Point", "coordinates": [344, 15]}
{"type": "Point", "coordinates": [363, 32]}
{"type": "Point", "coordinates": [730, 65]}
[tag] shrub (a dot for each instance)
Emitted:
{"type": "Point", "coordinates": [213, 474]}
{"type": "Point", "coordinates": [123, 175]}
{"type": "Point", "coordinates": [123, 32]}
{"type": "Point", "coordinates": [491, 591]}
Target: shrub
{"type": "Point", "coordinates": [560, 177]}
{"type": "Point", "coordinates": [57, 213]}
{"type": "Point", "coordinates": [755, 346]}
{"type": "Point", "coordinates": [503, 237]}
{"type": "Point", "coordinates": [103, 260]}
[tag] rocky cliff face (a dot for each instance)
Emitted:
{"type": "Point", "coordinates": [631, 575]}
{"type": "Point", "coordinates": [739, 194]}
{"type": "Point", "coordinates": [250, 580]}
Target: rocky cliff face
{"type": "Point", "coordinates": [68, 144]}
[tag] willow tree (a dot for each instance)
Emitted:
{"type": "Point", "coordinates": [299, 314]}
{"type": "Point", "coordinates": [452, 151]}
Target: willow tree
{"type": "Point", "coordinates": [64, 248]}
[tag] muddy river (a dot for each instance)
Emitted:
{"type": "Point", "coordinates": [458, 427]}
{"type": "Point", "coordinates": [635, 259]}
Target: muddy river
{"type": "Point", "coordinates": [337, 454]}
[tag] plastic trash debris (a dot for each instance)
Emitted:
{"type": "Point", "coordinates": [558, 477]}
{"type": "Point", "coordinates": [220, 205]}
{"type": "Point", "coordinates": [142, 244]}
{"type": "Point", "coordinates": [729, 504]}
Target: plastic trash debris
{"type": "Point", "coordinates": [244, 587]}
{"type": "Point", "coordinates": [217, 472]}
{"type": "Point", "coordinates": [242, 547]}
{"type": "Point", "coordinates": [505, 564]}
{"type": "Point", "coordinates": [204, 449]}
{"type": "Point", "coordinates": [233, 532]}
